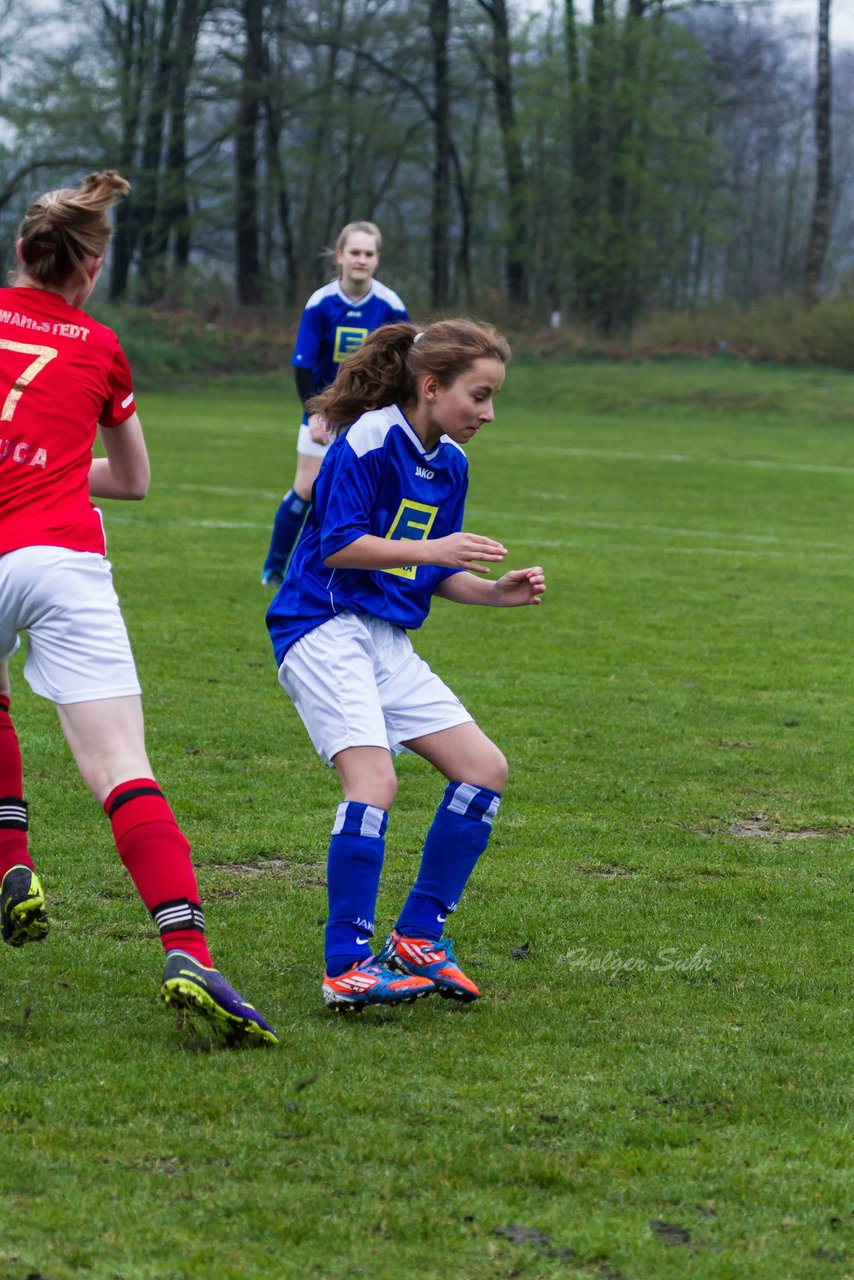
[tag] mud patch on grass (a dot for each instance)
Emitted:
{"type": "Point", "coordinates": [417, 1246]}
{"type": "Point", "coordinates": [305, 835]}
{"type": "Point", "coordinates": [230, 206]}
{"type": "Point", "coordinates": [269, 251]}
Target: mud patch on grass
{"type": "Point", "coordinates": [258, 868]}
{"type": "Point", "coordinates": [304, 875]}
{"type": "Point", "coordinates": [761, 827]}
{"type": "Point", "coordinates": [605, 870]}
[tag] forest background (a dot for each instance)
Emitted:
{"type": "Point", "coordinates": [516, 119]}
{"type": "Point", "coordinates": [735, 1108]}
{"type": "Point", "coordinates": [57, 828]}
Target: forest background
{"type": "Point", "coordinates": [669, 175]}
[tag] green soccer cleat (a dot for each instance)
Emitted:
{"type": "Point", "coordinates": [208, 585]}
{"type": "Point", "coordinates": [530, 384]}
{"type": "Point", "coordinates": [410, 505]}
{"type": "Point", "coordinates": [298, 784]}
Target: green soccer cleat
{"type": "Point", "coordinates": [192, 988]}
{"type": "Point", "coordinates": [22, 914]}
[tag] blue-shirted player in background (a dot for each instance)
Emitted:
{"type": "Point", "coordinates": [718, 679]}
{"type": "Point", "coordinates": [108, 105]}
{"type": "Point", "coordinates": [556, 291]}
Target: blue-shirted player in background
{"type": "Point", "coordinates": [383, 536]}
{"type": "Point", "coordinates": [335, 322]}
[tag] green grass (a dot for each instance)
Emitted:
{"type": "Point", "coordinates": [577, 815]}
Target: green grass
{"type": "Point", "coordinates": [657, 1083]}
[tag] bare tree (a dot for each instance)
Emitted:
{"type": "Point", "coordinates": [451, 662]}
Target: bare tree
{"type": "Point", "coordinates": [514, 165]}
{"type": "Point", "coordinates": [248, 262]}
{"type": "Point", "coordinates": [819, 233]}
{"type": "Point", "coordinates": [441, 192]}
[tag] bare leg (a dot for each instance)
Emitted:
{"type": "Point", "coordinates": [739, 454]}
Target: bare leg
{"type": "Point", "coordinates": [107, 740]}
{"type": "Point", "coordinates": [463, 754]}
{"type": "Point", "coordinates": [307, 469]}
{"type": "Point", "coordinates": [367, 775]}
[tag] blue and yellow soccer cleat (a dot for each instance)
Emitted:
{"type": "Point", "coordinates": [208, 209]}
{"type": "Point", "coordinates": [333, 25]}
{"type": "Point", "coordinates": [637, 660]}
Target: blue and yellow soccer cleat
{"type": "Point", "coordinates": [192, 988]}
{"type": "Point", "coordinates": [433, 960]}
{"type": "Point", "coordinates": [22, 914]}
{"type": "Point", "coordinates": [370, 982]}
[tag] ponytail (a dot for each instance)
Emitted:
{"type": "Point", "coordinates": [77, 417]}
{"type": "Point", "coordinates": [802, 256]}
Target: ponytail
{"type": "Point", "coordinates": [375, 375]}
{"type": "Point", "coordinates": [64, 229]}
{"type": "Point", "coordinates": [388, 366]}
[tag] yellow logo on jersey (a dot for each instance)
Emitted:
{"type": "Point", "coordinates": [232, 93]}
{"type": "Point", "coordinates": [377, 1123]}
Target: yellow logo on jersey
{"type": "Point", "coordinates": [347, 340]}
{"type": "Point", "coordinates": [412, 523]}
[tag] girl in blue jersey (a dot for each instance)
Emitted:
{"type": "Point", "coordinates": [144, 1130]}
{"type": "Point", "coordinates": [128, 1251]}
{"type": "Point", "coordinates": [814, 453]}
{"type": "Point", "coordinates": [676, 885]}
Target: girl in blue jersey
{"type": "Point", "coordinates": [383, 536]}
{"type": "Point", "coordinates": [336, 321]}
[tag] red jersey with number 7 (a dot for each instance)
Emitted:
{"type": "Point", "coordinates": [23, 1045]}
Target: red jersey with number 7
{"type": "Point", "coordinates": [62, 374]}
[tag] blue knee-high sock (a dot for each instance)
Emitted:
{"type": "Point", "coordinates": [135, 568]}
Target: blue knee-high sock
{"type": "Point", "coordinates": [286, 529]}
{"type": "Point", "coordinates": [353, 876]}
{"type": "Point", "coordinates": [458, 836]}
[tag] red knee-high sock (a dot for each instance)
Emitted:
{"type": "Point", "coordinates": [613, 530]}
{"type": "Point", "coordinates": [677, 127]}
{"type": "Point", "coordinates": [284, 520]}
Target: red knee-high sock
{"type": "Point", "coordinates": [13, 808]}
{"type": "Point", "coordinates": [157, 856]}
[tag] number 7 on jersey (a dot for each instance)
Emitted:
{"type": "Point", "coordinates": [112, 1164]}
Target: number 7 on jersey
{"type": "Point", "coordinates": [43, 356]}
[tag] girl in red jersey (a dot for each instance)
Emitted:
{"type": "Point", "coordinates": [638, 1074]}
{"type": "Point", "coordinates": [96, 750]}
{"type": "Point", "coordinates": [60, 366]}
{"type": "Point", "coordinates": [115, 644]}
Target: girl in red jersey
{"type": "Point", "coordinates": [62, 377]}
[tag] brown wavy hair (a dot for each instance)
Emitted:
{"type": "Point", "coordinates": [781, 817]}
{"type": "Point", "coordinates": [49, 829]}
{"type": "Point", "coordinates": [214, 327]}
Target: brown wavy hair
{"type": "Point", "coordinates": [388, 366]}
{"type": "Point", "coordinates": [64, 229]}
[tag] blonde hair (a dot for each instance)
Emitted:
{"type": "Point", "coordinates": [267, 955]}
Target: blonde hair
{"type": "Point", "coordinates": [387, 367]}
{"type": "Point", "coordinates": [64, 229]}
{"type": "Point", "coordinates": [367, 228]}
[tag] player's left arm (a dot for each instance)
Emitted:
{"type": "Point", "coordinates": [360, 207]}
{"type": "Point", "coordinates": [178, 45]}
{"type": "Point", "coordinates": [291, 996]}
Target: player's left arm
{"type": "Point", "coordinates": [125, 471]}
{"type": "Point", "coordinates": [516, 587]}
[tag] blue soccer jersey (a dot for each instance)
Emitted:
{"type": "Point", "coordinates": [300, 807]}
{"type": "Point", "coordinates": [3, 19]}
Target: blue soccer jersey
{"type": "Point", "coordinates": [333, 325]}
{"type": "Point", "coordinates": [378, 479]}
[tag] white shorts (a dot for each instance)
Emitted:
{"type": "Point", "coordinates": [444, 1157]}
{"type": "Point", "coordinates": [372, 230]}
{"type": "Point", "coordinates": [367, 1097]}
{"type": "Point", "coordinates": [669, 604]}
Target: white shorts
{"type": "Point", "coordinates": [77, 645]}
{"type": "Point", "coordinates": [357, 682]}
{"type": "Point", "coordinates": [306, 445]}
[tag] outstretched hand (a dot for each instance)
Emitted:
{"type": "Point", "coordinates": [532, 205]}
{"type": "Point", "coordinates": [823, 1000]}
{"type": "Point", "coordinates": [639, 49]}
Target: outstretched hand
{"type": "Point", "coordinates": [521, 586]}
{"type": "Point", "coordinates": [464, 550]}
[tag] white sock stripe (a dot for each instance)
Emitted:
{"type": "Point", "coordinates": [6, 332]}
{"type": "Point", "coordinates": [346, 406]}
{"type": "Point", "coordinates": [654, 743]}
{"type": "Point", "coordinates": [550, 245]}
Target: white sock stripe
{"type": "Point", "coordinates": [10, 811]}
{"type": "Point", "coordinates": [372, 822]}
{"type": "Point", "coordinates": [463, 796]}
{"type": "Point", "coordinates": [172, 913]}
{"type": "Point", "coordinates": [168, 918]}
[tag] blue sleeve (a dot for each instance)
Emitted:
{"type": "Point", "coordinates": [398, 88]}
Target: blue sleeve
{"type": "Point", "coordinates": [344, 496]}
{"type": "Point", "coordinates": [309, 334]}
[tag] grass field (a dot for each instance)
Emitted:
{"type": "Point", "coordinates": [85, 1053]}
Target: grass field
{"type": "Point", "coordinates": [658, 1081]}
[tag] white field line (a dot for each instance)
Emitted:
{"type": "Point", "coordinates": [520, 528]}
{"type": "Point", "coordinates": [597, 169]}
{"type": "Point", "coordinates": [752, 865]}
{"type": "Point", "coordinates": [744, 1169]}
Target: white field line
{"type": "Point", "coordinates": [675, 531]}
{"type": "Point", "coordinates": [179, 522]}
{"type": "Point", "coordinates": [603, 548]}
{"type": "Point", "coordinates": [222, 491]}
{"type": "Point", "coordinates": [763, 464]}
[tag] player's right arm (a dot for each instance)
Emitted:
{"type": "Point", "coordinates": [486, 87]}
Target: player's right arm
{"type": "Point", "coordinates": [125, 471]}
{"type": "Point", "coordinates": [455, 551]}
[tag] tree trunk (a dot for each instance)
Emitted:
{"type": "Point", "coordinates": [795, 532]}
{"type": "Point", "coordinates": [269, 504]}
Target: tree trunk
{"type": "Point", "coordinates": [176, 205]}
{"type": "Point", "coordinates": [819, 233]}
{"type": "Point", "coordinates": [151, 175]}
{"type": "Point", "coordinates": [514, 168]}
{"type": "Point", "coordinates": [588, 99]}
{"type": "Point", "coordinates": [440, 213]}
{"type": "Point", "coordinates": [249, 292]}
{"type": "Point", "coordinates": [128, 32]}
